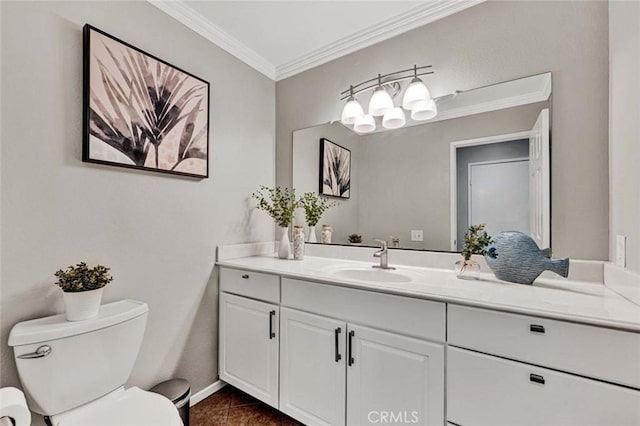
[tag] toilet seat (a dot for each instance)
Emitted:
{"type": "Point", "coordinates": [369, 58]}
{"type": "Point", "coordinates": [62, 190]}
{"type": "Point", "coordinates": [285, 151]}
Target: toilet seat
{"type": "Point", "coordinates": [130, 407]}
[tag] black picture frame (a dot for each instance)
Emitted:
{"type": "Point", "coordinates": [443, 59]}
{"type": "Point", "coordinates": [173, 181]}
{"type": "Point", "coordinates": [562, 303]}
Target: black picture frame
{"type": "Point", "coordinates": [343, 190]}
{"type": "Point", "coordinates": [142, 136]}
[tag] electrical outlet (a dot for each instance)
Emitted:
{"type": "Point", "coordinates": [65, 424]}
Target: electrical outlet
{"type": "Point", "coordinates": [621, 251]}
{"type": "Point", "coordinates": [416, 235]}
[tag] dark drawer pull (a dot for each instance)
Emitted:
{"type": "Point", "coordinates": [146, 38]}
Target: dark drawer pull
{"type": "Point", "coordinates": [245, 276]}
{"type": "Point", "coordinates": [535, 328]}
{"type": "Point", "coordinates": [271, 333]}
{"type": "Point", "coordinates": [336, 333]}
{"type": "Point", "coordinates": [536, 378]}
{"type": "Point", "coordinates": [350, 355]}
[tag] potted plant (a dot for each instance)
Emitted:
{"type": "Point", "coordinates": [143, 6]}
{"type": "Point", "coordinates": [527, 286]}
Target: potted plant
{"type": "Point", "coordinates": [314, 207]}
{"type": "Point", "coordinates": [355, 239]}
{"type": "Point", "coordinates": [279, 203]}
{"type": "Point", "coordinates": [476, 241]}
{"type": "Point", "coordinates": [82, 289]}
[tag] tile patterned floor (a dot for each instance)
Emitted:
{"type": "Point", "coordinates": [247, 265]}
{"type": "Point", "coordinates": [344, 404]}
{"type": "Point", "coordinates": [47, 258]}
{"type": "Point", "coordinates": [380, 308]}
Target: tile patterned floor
{"type": "Point", "coordinates": [230, 406]}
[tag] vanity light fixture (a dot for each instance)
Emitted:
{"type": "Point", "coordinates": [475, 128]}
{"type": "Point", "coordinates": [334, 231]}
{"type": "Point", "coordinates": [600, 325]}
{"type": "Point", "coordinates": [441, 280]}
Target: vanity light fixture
{"type": "Point", "coordinates": [365, 124]}
{"type": "Point", "coordinates": [416, 99]}
{"type": "Point", "coordinates": [352, 110]}
{"type": "Point", "coordinates": [381, 101]}
{"type": "Point", "coordinates": [424, 110]}
{"type": "Point", "coordinates": [416, 92]}
{"type": "Point", "coordinates": [394, 118]}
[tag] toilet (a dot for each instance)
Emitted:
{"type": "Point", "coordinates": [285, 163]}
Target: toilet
{"type": "Point", "coordinates": [73, 373]}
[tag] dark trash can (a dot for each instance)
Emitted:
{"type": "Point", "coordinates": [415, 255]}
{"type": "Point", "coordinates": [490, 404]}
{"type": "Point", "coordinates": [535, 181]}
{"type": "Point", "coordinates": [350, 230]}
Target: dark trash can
{"type": "Point", "coordinates": [179, 392]}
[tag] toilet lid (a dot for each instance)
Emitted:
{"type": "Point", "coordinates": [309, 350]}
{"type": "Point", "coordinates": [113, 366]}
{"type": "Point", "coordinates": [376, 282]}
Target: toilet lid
{"type": "Point", "coordinates": [131, 407]}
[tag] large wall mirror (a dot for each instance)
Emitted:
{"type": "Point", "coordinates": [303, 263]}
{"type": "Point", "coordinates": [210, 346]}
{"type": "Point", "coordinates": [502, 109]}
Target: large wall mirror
{"type": "Point", "coordinates": [484, 159]}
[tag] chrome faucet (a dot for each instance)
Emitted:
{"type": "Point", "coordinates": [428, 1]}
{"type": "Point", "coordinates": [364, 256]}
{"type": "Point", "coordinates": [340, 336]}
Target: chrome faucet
{"type": "Point", "coordinates": [383, 254]}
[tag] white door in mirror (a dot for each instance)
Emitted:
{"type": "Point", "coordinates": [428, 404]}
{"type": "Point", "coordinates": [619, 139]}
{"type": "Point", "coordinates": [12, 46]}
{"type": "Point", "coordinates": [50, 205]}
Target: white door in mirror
{"type": "Point", "coordinates": [540, 181]}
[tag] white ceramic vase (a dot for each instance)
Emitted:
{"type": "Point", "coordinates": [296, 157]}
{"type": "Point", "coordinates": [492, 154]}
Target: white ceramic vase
{"type": "Point", "coordinates": [82, 305]}
{"type": "Point", "coordinates": [284, 248]}
{"type": "Point", "coordinates": [312, 234]}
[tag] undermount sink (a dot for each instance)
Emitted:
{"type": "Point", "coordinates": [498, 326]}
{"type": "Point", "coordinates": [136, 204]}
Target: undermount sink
{"type": "Point", "coordinates": [373, 274]}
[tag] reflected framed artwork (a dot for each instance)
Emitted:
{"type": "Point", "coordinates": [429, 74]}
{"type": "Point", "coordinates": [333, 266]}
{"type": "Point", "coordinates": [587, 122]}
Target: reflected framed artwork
{"type": "Point", "coordinates": [335, 170]}
{"type": "Point", "coordinates": [142, 112]}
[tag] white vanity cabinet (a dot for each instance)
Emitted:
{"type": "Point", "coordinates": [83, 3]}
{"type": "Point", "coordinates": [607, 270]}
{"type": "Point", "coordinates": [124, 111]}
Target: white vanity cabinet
{"type": "Point", "coordinates": [249, 336]}
{"type": "Point", "coordinates": [328, 354]}
{"type": "Point", "coordinates": [336, 367]}
{"type": "Point", "coordinates": [513, 369]}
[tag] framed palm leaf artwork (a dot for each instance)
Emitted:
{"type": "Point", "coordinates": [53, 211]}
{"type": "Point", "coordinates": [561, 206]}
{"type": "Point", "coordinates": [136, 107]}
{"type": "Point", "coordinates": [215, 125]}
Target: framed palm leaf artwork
{"type": "Point", "coordinates": [142, 112]}
{"type": "Point", "coordinates": [335, 170]}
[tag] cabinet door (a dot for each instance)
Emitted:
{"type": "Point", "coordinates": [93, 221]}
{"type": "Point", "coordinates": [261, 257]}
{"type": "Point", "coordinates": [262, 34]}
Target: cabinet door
{"type": "Point", "coordinates": [393, 379]}
{"type": "Point", "coordinates": [249, 346]}
{"type": "Point", "coordinates": [312, 368]}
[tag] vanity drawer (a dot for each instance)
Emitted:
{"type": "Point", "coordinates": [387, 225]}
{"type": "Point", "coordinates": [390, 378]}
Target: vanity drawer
{"type": "Point", "coordinates": [486, 390]}
{"type": "Point", "coordinates": [419, 318]}
{"type": "Point", "coordinates": [598, 352]}
{"type": "Point", "coordinates": [255, 285]}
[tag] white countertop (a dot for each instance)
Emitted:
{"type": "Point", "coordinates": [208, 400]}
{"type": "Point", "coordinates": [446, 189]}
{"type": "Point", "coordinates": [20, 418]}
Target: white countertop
{"type": "Point", "coordinates": [552, 298]}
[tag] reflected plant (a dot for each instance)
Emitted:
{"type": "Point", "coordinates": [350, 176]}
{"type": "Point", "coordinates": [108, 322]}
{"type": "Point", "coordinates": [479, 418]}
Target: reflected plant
{"type": "Point", "coordinates": [314, 207]}
{"type": "Point", "coordinates": [151, 103]}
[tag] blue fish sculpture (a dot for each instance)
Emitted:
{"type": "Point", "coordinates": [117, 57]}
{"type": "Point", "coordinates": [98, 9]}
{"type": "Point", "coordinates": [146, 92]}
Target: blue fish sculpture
{"type": "Point", "coordinates": [515, 257]}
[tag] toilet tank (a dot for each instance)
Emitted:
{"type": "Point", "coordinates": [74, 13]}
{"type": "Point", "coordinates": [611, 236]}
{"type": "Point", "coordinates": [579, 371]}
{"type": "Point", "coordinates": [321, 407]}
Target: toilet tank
{"type": "Point", "coordinates": [88, 359]}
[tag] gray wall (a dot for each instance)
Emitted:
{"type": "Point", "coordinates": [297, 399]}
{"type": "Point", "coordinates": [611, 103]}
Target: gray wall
{"type": "Point", "coordinates": [473, 154]}
{"type": "Point", "coordinates": [624, 35]}
{"type": "Point", "coordinates": [493, 42]}
{"type": "Point", "coordinates": [158, 233]}
{"type": "Point", "coordinates": [343, 218]}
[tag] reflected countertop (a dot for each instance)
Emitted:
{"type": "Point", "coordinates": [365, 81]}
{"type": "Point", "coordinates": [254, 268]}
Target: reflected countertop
{"type": "Point", "coordinates": [589, 303]}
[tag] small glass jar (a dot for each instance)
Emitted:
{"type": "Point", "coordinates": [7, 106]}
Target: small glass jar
{"type": "Point", "coordinates": [468, 269]}
{"type": "Point", "coordinates": [326, 234]}
{"type": "Point", "coordinates": [298, 242]}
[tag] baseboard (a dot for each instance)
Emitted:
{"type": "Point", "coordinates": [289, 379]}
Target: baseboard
{"type": "Point", "coordinates": [206, 392]}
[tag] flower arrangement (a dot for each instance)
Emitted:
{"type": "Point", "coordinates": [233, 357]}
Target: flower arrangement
{"type": "Point", "coordinates": [314, 207]}
{"type": "Point", "coordinates": [278, 202]}
{"type": "Point", "coordinates": [82, 278]}
{"type": "Point", "coordinates": [355, 238]}
{"type": "Point", "coordinates": [476, 241]}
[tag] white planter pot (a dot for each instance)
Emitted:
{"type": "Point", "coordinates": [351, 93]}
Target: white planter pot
{"type": "Point", "coordinates": [82, 305]}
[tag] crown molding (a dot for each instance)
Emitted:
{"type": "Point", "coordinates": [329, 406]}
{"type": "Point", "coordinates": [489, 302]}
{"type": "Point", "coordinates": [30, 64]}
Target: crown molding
{"type": "Point", "coordinates": [409, 20]}
{"type": "Point", "coordinates": [396, 25]}
{"type": "Point", "coordinates": [184, 14]}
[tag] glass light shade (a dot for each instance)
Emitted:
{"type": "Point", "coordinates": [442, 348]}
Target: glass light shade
{"type": "Point", "coordinates": [393, 119]}
{"type": "Point", "coordinates": [380, 102]}
{"type": "Point", "coordinates": [365, 124]}
{"type": "Point", "coordinates": [415, 93]}
{"type": "Point", "coordinates": [424, 110]}
{"type": "Point", "coordinates": [351, 111]}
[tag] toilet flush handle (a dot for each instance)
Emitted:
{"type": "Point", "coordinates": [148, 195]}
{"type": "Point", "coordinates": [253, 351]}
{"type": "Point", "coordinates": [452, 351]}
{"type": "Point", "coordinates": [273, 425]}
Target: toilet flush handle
{"type": "Point", "coordinates": [42, 351]}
